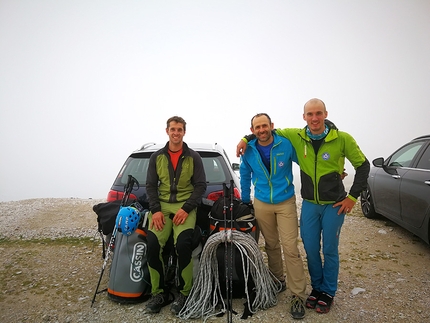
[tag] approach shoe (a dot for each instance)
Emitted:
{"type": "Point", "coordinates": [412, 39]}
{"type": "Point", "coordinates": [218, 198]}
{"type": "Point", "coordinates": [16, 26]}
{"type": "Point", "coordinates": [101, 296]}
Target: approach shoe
{"type": "Point", "coordinates": [312, 299]}
{"type": "Point", "coordinates": [297, 308]}
{"type": "Point", "coordinates": [178, 303]}
{"type": "Point", "coordinates": [324, 303]}
{"type": "Point", "coordinates": [157, 302]}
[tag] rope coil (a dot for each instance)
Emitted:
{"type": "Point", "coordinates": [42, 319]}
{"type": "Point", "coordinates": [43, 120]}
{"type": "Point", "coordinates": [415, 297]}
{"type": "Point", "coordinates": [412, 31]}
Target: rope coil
{"type": "Point", "coordinates": [206, 296]}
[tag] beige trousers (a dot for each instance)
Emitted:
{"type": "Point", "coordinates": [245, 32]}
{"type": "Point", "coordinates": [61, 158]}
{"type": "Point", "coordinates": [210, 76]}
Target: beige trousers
{"type": "Point", "coordinates": [279, 225]}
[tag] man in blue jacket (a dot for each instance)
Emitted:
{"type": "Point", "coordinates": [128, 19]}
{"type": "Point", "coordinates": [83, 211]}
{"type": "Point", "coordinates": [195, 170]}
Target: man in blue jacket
{"type": "Point", "coordinates": [267, 163]}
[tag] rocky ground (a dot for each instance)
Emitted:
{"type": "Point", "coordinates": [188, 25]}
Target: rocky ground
{"type": "Point", "coordinates": [51, 260]}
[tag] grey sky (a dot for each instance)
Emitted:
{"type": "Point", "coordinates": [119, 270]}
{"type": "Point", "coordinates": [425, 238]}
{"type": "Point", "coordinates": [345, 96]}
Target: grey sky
{"type": "Point", "coordinates": [83, 83]}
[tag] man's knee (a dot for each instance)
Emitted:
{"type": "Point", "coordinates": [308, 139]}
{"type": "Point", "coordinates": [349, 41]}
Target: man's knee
{"type": "Point", "coordinates": [153, 245]}
{"type": "Point", "coordinates": [184, 241]}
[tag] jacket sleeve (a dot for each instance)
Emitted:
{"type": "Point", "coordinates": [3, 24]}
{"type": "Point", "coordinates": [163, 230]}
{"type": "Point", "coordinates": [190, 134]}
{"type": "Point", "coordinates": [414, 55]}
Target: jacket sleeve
{"type": "Point", "coordinates": [199, 183]}
{"type": "Point", "coordinates": [294, 155]}
{"type": "Point", "coordinates": [361, 165]}
{"type": "Point", "coordinates": [360, 179]}
{"type": "Point", "coordinates": [248, 138]}
{"type": "Point", "coordinates": [152, 185]}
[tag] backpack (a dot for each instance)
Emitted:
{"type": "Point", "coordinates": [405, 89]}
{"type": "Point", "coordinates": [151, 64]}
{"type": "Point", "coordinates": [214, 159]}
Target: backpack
{"type": "Point", "coordinates": [244, 222]}
{"type": "Point", "coordinates": [129, 280]}
{"type": "Point", "coordinates": [243, 217]}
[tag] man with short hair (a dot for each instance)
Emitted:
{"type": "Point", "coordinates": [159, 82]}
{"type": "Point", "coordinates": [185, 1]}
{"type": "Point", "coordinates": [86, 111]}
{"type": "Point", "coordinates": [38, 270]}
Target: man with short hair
{"type": "Point", "coordinates": [267, 163]}
{"type": "Point", "coordinates": [175, 184]}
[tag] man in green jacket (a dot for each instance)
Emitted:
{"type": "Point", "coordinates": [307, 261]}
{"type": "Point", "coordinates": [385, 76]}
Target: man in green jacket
{"type": "Point", "coordinates": [321, 153]}
{"type": "Point", "coordinates": [175, 184]}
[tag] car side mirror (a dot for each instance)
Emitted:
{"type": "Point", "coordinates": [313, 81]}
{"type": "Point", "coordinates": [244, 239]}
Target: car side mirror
{"type": "Point", "coordinates": [235, 166]}
{"type": "Point", "coordinates": [378, 162]}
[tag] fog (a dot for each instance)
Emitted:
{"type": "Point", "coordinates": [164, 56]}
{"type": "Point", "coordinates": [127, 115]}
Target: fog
{"type": "Point", "coordinates": [84, 83]}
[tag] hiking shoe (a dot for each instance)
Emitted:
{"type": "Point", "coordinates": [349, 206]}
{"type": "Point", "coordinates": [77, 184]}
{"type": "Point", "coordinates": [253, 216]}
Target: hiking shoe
{"type": "Point", "coordinates": [312, 299]}
{"type": "Point", "coordinates": [297, 308]}
{"type": "Point", "coordinates": [178, 304]}
{"type": "Point", "coordinates": [157, 302]}
{"type": "Point", "coordinates": [324, 303]}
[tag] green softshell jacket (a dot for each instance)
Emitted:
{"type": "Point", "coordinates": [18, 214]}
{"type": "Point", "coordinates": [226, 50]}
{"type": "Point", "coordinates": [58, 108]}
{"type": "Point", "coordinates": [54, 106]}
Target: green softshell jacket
{"type": "Point", "coordinates": [187, 184]}
{"type": "Point", "coordinates": [320, 173]}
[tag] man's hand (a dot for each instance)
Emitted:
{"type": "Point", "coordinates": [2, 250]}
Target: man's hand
{"type": "Point", "coordinates": [180, 217]}
{"type": "Point", "coordinates": [346, 206]}
{"type": "Point", "coordinates": [343, 175]}
{"type": "Point", "coordinates": [158, 221]}
{"type": "Point", "coordinates": [240, 149]}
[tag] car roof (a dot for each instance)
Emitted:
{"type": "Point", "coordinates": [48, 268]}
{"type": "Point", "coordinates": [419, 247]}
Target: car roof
{"type": "Point", "coordinates": [422, 137]}
{"type": "Point", "coordinates": [152, 146]}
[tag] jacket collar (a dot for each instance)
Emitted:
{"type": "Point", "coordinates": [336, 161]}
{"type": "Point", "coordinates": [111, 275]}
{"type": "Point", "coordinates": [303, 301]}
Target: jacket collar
{"type": "Point", "coordinates": [332, 135]}
{"type": "Point", "coordinates": [185, 149]}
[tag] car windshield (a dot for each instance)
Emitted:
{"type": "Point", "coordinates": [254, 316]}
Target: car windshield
{"type": "Point", "coordinates": [404, 156]}
{"type": "Point", "coordinates": [214, 165]}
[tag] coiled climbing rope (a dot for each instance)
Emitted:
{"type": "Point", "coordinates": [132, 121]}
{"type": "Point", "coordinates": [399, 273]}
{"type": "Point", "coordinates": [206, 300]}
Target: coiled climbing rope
{"type": "Point", "coordinates": [205, 299]}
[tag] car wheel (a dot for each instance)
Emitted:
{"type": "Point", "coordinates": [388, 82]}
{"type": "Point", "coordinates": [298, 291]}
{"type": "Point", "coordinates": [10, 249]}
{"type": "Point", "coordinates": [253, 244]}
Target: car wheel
{"type": "Point", "coordinates": [367, 205]}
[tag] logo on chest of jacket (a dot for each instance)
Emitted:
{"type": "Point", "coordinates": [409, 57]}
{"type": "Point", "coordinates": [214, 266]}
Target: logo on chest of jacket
{"type": "Point", "coordinates": [325, 156]}
{"type": "Point", "coordinates": [281, 164]}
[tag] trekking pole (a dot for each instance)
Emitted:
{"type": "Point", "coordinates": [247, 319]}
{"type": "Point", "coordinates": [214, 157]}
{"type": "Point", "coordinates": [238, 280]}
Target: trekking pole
{"type": "Point", "coordinates": [127, 190]}
{"type": "Point", "coordinates": [230, 265]}
{"type": "Point", "coordinates": [227, 289]}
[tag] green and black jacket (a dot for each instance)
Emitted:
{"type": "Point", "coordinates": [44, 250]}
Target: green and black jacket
{"type": "Point", "coordinates": [187, 184]}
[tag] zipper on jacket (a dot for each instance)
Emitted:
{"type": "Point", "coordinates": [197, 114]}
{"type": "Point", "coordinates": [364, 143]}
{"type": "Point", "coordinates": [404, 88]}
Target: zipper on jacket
{"type": "Point", "coordinates": [173, 178]}
{"type": "Point", "coordinates": [272, 170]}
{"type": "Point", "coordinates": [265, 171]}
{"type": "Point", "coordinates": [316, 167]}
{"type": "Point", "coordinates": [315, 179]}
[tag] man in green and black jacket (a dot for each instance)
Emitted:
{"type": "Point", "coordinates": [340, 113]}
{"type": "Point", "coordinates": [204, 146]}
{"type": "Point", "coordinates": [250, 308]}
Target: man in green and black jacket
{"type": "Point", "coordinates": [321, 152]}
{"type": "Point", "coordinates": [175, 184]}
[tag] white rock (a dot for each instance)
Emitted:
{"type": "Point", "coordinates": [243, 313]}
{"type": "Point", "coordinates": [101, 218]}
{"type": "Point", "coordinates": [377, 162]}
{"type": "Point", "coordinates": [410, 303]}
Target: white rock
{"type": "Point", "coordinates": [357, 290]}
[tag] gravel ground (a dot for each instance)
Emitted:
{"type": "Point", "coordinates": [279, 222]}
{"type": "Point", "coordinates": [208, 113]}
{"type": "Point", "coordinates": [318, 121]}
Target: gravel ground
{"type": "Point", "coordinates": [51, 260]}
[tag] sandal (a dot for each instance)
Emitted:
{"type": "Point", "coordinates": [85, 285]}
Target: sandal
{"type": "Point", "coordinates": [312, 299]}
{"type": "Point", "coordinates": [324, 303]}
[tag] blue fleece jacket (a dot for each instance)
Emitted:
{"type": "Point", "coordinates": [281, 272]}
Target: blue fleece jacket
{"type": "Point", "coordinates": [269, 187]}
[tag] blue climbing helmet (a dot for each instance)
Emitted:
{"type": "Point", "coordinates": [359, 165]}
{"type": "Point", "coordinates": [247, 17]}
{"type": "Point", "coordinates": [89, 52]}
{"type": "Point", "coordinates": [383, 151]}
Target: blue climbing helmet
{"type": "Point", "coordinates": [127, 220]}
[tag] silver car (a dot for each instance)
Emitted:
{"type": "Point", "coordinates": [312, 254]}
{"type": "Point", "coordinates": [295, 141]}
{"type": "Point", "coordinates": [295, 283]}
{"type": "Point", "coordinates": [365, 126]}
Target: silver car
{"type": "Point", "coordinates": [217, 167]}
{"type": "Point", "coordinates": [399, 188]}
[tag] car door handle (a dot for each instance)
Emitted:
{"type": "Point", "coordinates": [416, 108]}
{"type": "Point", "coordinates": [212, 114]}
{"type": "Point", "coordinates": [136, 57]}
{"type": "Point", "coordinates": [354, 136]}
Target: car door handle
{"type": "Point", "coordinates": [395, 176]}
{"type": "Point", "coordinates": [427, 182]}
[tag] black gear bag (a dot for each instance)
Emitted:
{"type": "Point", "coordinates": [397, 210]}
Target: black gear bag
{"type": "Point", "coordinates": [243, 216]}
